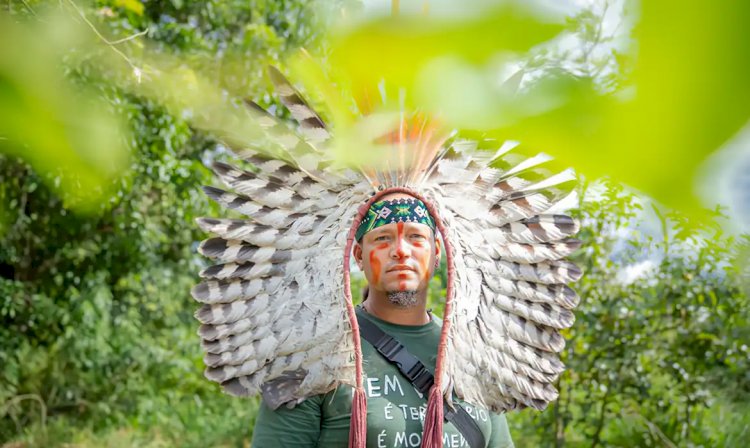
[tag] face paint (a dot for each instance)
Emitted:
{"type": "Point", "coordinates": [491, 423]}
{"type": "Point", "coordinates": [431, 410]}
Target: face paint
{"type": "Point", "coordinates": [401, 243]}
{"type": "Point", "coordinates": [399, 239]}
{"type": "Point", "coordinates": [375, 266]}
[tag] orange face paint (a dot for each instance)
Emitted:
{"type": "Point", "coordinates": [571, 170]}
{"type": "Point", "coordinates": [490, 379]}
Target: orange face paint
{"type": "Point", "coordinates": [375, 264]}
{"type": "Point", "coordinates": [400, 239]}
{"type": "Point", "coordinates": [407, 250]}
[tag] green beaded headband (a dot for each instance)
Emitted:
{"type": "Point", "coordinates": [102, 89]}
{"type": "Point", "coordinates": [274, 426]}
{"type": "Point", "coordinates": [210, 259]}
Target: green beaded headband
{"type": "Point", "coordinates": [393, 211]}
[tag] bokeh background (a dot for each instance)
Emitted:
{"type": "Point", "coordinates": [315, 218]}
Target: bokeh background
{"type": "Point", "coordinates": [111, 112]}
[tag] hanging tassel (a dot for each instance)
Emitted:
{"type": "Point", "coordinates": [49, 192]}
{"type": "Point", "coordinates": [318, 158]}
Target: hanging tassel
{"type": "Point", "coordinates": [358, 421]}
{"type": "Point", "coordinates": [432, 434]}
{"type": "Point", "coordinates": [358, 424]}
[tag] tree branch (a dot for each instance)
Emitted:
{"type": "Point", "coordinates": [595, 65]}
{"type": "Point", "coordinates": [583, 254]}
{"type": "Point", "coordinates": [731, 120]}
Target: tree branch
{"type": "Point", "coordinates": [112, 44]}
{"type": "Point", "coordinates": [602, 414]}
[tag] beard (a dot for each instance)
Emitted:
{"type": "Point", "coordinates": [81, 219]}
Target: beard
{"type": "Point", "coordinates": [402, 299]}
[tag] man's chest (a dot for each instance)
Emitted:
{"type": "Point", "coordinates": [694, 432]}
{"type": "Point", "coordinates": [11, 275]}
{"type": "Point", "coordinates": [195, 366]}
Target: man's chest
{"type": "Point", "coordinates": [396, 410]}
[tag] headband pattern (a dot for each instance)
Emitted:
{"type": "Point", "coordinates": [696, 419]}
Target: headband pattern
{"type": "Point", "coordinates": [394, 211]}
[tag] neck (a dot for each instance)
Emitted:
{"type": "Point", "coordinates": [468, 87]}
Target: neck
{"type": "Point", "coordinates": [378, 305]}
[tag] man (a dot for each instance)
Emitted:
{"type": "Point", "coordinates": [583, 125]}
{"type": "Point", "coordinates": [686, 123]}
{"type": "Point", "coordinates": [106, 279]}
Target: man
{"type": "Point", "coordinates": [277, 317]}
{"type": "Point", "coordinates": [398, 251]}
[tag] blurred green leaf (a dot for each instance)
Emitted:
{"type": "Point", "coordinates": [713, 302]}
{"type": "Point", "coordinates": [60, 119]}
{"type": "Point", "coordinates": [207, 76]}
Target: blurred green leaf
{"type": "Point", "coordinates": [95, 309]}
{"type": "Point", "coordinates": [689, 94]}
{"type": "Point", "coordinates": [401, 50]}
{"type": "Point", "coordinates": [63, 130]}
{"type": "Point", "coordinates": [131, 5]}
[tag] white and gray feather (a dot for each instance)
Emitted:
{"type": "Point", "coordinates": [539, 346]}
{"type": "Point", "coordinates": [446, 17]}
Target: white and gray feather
{"type": "Point", "coordinates": [273, 317]}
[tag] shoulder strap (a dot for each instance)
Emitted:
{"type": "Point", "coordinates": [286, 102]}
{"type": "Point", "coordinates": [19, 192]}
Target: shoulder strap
{"type": "Point", "coordinates": [421, 378]}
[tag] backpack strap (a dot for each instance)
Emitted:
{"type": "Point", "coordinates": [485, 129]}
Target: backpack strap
{"type": "Point", "coordinates": [421, 378]}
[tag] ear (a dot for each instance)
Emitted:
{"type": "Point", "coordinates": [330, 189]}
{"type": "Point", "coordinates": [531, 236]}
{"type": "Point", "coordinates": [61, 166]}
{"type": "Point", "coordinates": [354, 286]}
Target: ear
{"type": "Point", "coordinates": [357, 252]}
{"type": "Point", "coordinates": [438, 248]}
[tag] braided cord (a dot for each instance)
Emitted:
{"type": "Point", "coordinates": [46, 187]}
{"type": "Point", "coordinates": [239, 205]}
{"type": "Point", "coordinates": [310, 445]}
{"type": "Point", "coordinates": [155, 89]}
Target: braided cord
{"type": "Point", "coordinates": [433, 428]}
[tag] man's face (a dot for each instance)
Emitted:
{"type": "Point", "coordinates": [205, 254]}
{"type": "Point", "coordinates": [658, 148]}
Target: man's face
{"type": "Point", "coordinates": [398, 257]}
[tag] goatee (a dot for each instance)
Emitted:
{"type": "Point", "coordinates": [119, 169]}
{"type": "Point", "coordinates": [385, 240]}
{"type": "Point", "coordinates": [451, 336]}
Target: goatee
{"type": "Point", "coordinates": [402, 299]}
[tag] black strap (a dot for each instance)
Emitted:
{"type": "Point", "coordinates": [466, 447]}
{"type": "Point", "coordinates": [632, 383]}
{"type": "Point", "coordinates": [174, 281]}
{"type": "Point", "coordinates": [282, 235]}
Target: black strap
{"type": "Point", "coordinates": [422, 379]}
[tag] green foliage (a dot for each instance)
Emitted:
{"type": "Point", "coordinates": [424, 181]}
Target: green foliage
{"type": "Point", "coordinates": [222, 47]}
{"type": "Point", "coordinates": [651, 359]}
{"type": "Point", "coordinates": [684, 94]}
{"type": "Point", "coordinates": [57, 126]}
{"type": "Point", "coordinates": [407, 49]}
{"type": "Point", "coordinates": [99, 344]}
{"type": "Point", "coordinates": [97, 324]}
{"type": "Point", "coordinates": [97, 318]}
{"type": "Point", "coordinates": [661, 359]}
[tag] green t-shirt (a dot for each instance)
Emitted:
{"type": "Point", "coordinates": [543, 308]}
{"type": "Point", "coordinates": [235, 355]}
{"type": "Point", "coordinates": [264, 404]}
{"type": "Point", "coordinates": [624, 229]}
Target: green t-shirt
{"type": "Point", "coordinates": [395, 410]}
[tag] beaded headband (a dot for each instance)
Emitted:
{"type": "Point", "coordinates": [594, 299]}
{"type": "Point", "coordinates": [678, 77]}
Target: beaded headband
{"type": "Point", "coordinates": [393, 211]}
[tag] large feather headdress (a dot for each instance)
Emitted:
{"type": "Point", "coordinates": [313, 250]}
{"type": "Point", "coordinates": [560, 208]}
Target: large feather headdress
{"type": "Point", "coordinates": [277, 315]}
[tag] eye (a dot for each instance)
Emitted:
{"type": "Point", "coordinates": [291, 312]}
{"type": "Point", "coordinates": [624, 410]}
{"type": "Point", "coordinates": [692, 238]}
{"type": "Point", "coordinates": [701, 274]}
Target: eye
{"type": "Point", "coordinates": [418, 236]}
{"type": "Point", "coordinates": [382, 238]}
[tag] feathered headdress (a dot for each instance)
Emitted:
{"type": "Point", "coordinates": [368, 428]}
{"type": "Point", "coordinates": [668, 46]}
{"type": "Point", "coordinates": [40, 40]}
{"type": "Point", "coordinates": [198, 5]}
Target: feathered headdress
{"type": "Point", "coordinates": [278, 317]}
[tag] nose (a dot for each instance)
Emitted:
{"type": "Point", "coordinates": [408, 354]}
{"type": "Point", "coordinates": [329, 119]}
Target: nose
{"type": "Point", "coordinates": [401, 249]}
